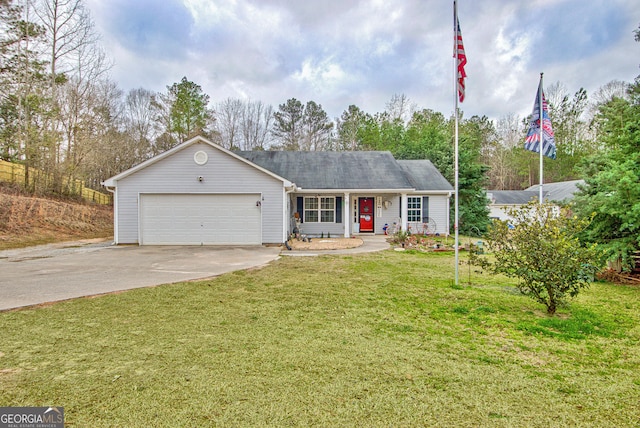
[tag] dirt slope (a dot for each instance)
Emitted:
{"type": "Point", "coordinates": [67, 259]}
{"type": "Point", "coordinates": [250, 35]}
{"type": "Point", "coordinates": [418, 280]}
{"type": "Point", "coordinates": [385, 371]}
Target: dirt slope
{"type": "Point", "coordinates": [26, 221]}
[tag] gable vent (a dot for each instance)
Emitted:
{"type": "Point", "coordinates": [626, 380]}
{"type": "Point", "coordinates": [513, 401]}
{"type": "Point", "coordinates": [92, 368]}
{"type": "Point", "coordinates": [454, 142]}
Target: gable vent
{"type": "Point", "coordinates": [200, 157]}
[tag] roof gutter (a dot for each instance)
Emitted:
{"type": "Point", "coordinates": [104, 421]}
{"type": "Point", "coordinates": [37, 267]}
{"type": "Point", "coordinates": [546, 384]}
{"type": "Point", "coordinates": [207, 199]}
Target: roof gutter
{"type": "Point", "coordinates": [363, 191]}
{"type": "Point", "coordinates": [359, 190]}
{"type": "Point", "coordinates": [111, 189]}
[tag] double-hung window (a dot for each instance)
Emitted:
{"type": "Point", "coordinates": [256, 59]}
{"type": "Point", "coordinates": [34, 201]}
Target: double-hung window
{"type": "Point", "coordinates": [327, 210]}
{"type": "Point", "coordinates": [319, 209]}
{"type": "Point", "coordinates": [414, 209]}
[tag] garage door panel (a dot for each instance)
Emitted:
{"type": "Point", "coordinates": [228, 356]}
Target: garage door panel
{"type": "Point", "coordinates": [200, 219]}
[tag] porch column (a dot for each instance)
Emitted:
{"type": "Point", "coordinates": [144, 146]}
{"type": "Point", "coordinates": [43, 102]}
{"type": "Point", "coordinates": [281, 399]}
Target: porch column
{"type": "Point", "coordinates": [346, 217]}
{"type": "Point", "coordinates": [405, 208]}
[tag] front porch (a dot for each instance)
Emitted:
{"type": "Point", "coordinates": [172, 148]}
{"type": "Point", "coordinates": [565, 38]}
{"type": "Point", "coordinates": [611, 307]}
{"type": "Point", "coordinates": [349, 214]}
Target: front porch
{"type": "Point", "coordinates": [352, 214]}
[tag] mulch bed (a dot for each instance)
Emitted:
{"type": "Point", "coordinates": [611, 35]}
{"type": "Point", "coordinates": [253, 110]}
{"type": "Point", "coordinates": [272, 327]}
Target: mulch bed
{"type": "Point", "coordinates": [325, 244]}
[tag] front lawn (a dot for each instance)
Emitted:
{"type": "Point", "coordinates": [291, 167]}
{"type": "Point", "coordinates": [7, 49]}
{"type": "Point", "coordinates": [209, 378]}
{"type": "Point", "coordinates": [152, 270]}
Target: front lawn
{"type": "Point", "coordinates": [379, 339]}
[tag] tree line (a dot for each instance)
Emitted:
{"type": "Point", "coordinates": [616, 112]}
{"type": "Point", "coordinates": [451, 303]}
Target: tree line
{"type": "Point", "coordinates": [61, 114]}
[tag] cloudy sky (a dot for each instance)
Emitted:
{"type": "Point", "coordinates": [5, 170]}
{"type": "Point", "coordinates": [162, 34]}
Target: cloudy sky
{"type": "Point", "coordinates": [343, 52]}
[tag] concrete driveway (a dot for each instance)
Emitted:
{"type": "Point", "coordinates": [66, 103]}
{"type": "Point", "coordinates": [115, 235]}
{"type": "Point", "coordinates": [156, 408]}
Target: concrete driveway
{"type": "Point", "coordinates": [56, 272]}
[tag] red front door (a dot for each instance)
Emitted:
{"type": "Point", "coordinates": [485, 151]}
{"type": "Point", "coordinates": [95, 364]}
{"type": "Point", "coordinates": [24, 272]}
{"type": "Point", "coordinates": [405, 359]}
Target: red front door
{"type": "Point", "coordinates": [366, 215]}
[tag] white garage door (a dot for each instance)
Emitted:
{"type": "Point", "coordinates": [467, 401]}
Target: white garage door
{"type": "Point", "coordinates": [200, 219]}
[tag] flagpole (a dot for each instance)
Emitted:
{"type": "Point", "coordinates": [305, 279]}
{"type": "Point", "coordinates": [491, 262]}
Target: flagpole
{"type": "Point", "coordinates": [540, 112]}
{"type": "Point", "coordinates": [455, 112]}
{"type": "Point", "coordinates": [541, 132]}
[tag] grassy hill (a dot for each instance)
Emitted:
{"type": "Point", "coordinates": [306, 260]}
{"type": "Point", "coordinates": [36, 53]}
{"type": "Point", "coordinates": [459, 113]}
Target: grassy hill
{"type": "Point", "coordinates": [27, 220]}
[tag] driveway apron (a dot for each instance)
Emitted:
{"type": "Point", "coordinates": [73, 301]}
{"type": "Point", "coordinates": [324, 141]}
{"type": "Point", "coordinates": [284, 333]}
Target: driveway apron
{"type": "Point", "coordinates": [57, 272]}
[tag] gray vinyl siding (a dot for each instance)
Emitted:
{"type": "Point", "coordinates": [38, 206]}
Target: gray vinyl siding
{"type": "Point", "coordinates": [178, 173]}
{"type": "Point", "coordinates": [389, 215]}
{"type": "Point", "coordinates": [315, 229]}
{"type": "Point", "coordinates": [439, 211]}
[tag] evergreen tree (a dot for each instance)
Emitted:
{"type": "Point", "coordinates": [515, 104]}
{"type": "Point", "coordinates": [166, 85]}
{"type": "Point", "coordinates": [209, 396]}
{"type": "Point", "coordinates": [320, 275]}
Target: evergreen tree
{"type": "Point", "coordinates": [181, 114]}
{"type": "Point", "coordinates": [612, 183]}
{"type": "Point", "coordinates": [287, 127]}
{"type": "Point", "coordinates": [348, 129]}
{"type": "Point", "coordinates": [190, 114]}
{"type": "Point", "coordinates": [475, 133]}
{"type": "Point", "coordinates": [316, 127]}
{"type": "Point", "coordinates": [428, 136]}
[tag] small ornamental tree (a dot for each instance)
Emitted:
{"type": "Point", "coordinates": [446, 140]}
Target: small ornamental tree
{"type": "Point", "coordinates": [544, 252]}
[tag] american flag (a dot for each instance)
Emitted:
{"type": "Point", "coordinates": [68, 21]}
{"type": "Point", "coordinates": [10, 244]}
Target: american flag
{"type": "Point", "coordinates": [461, 58]}
{"type": "Point", "coordinates": [532, 142]}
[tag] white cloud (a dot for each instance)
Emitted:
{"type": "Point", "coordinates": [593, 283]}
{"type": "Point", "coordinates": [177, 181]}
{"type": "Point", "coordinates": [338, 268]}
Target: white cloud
{"type": "Point", "coordinates": [341, 52]}
{"type": "Point", "coordinates": [511, 57]}
{"type": "Point", "coordinates": [325, 74]}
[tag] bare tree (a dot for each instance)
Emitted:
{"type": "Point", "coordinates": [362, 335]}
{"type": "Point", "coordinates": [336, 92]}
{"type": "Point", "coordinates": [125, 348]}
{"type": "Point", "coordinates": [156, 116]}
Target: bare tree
{"type": "Point", "coordinates": [228, 115]}
{"type": "Point", "coordinates": [555, 94]}
{"type": "Point", "coordinates": [75, 63]}
{"type": "Point", "coordinates": [400, 107]}
{"type": "Point", "coordinates": [70, 32]}
{"type": "Point", "coordinates": [604, 94]}
{"type": "Point", "coordinates": [109, 147]}
{"type": "Point", "coordinates": [496, 154]}
{"type": "Point", "coordinates": [103, 114]}
{"type": "Point", "coordinates": [139, 121]}
{"type": "Point", "coordinates": [510, 130]}
{"type": "Point", "coordinates": [257, 120]}
{"type": "Point", "coordinates": [76, 97]}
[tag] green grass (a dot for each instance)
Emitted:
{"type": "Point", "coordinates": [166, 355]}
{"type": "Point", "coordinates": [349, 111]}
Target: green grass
{"type": "Point", "coordinates": [373, 340]}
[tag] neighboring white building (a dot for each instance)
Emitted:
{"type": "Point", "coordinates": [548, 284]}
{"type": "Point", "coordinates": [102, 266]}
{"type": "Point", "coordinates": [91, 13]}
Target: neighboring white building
{"type": "Point", "coordinates": [199, 193]}
{"type": "Point", "coordinates": [501, 201]}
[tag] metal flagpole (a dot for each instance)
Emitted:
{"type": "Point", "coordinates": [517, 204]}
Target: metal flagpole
{"type": "Point", "coordinates": [455, 112]}
{"type": "Point", "coordinates": [540, 112]}
{"type": "Point", "coordinates": [456, 185]}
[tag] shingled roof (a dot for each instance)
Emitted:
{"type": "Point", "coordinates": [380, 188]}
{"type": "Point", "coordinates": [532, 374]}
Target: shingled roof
{"type": "Point", "coordinates": [423, 175]}
{"type": "Point", "coordinates": [348, 170]}
{"type": "Point", "coordinates": [511, 197]}
{"type": "Point", "coordinates": [561, 191]}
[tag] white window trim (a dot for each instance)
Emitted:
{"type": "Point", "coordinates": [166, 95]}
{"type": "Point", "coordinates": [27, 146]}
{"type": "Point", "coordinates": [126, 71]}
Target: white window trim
{"type": "Point", "coordinates": [418, 210]}
{"type": "Point", "coordinates": [320, 210]}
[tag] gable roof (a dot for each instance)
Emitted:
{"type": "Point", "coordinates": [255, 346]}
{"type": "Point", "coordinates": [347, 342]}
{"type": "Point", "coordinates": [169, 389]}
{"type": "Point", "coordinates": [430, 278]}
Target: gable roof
{"type": "Point", "coordinates": [423, 175]}
{"type": "Point", "coordinates": [560, 191]}
{"type": "Point", "coordinates": [334, 170]}
{"type": "Point", "coordinates": [111, 182]}
{"type": "Point", "coordinates": [361, 170]}
{"type": "Point", "coordinates": [511, 197]}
